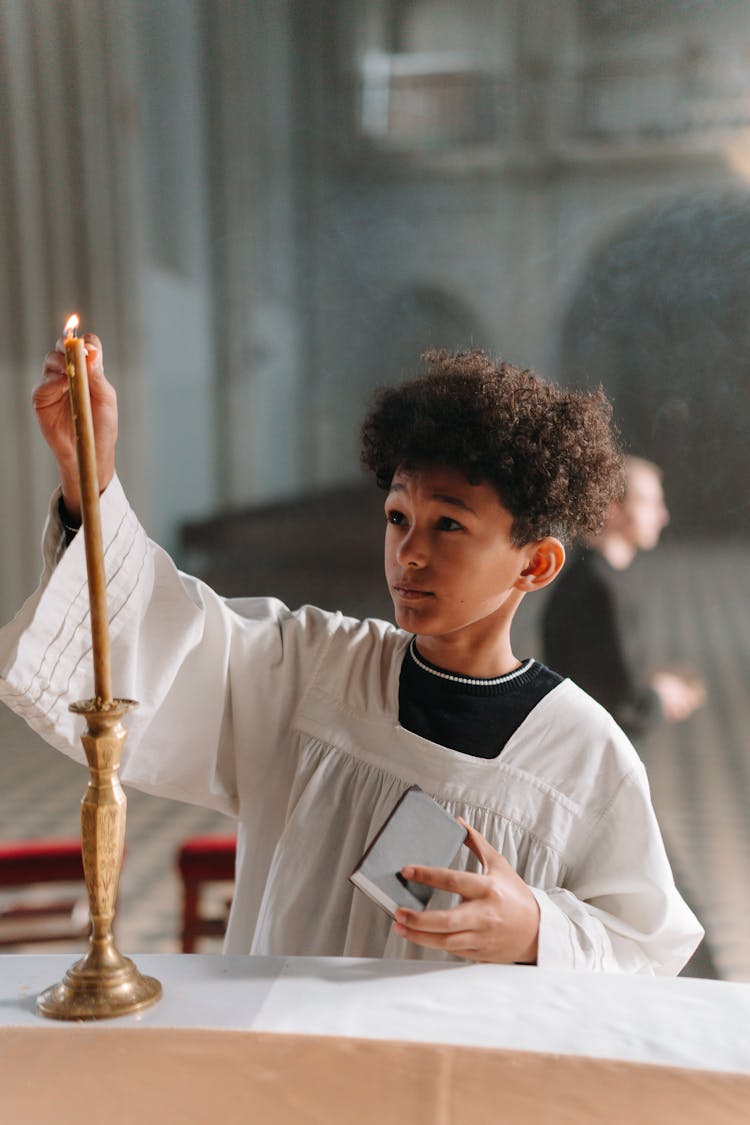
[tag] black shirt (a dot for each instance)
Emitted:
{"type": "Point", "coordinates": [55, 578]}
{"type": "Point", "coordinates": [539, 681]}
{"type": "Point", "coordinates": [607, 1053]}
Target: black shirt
{"type": "Point", "coordinates": [474, 716]}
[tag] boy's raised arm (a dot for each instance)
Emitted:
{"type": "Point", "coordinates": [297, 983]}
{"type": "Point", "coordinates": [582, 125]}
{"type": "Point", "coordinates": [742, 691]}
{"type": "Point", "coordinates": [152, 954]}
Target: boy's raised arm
{"type": "Point", "coordinates": [50, 398]}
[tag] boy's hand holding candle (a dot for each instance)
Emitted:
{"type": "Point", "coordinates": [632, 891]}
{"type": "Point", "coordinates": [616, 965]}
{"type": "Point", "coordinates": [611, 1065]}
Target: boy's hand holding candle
{"type": "Point", "coordinates": [51, 399]}
{"type": "Point", "coordinates": [77, 411]}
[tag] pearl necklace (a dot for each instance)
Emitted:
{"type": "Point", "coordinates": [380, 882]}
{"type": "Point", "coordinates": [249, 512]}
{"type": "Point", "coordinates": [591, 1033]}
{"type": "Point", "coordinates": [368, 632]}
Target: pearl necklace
{"type": "Point", "coordinates": [467, 679]}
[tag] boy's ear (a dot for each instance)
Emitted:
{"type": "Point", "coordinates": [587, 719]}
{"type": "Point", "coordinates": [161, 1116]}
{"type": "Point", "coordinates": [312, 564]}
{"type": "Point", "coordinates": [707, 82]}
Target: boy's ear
{"type": "Point", "coordinates": [545, 564]}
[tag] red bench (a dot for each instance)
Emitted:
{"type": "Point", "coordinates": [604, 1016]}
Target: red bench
{"type": "Point", "coordinates": [203, 860]}
{"type": "Point", "coordinates": [29, 917]}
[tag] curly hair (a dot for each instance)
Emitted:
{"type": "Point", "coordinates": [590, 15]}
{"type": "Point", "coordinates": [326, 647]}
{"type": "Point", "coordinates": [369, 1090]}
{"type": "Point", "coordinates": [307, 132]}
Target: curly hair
{"type": "Point", "coordinates": [551, 453]}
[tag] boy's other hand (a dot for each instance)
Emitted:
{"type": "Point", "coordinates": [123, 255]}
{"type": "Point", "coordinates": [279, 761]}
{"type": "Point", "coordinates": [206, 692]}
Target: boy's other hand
{"type": "Point", "coordinates": [498, 919]}
{"type": "Point", "coordinates": [52, 406]}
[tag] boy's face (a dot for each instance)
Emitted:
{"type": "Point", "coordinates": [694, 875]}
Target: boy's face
{"type": "Point", "coordinates": [450, 565]}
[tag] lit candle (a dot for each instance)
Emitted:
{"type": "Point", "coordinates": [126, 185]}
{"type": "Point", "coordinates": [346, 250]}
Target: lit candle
{"type": "Point", "coordinates": [83, 428]}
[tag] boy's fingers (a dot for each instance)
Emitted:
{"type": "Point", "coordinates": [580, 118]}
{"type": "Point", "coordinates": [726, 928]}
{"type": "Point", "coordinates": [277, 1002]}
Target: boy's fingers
{"type": "Point", "coordinates": [93, 347]}
{"type": "Point", "coordinates": [53, 385]}
{"type": "Point", "coordinates": [450, 921]}
{"type": "Point", "coordinates": [462, 944]}
{"type": "Point", "coordinates": [476, 843]}
{"type": "Point", "coordinates": [49, 392]}
{"type": "Point", "coordinates": [93, 353]}
{"type": "Point", "coordinates": [493, 862]}
{"type": "Point", "coordinates": [54, 365]}
{"type": "Point", "coordinates": [464, 883]}
{"type": "Point", "coordinates": [100, 387]}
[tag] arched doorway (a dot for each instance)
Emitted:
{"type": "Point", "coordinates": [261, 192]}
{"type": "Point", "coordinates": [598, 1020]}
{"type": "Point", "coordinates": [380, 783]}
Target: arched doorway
{"type": "Point", "coordinates": [662, 321]}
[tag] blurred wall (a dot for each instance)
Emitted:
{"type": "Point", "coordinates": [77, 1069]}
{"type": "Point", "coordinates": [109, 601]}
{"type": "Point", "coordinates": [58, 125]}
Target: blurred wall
{"type": "Point", "coordinates": [70, 233]}
{"type": "Point", "coordinates": [102, 211]}
{"type": "Point", "coordinates": [575, 182]}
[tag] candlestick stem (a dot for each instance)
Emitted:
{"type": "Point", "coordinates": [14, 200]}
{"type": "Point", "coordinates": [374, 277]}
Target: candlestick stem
{"type": "Point", "coordinates": [104, 983]}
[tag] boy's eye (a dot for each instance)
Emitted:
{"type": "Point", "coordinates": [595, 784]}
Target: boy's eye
{"type": "Point", "coordinates": [394, 516]}
{"type": "Point", "coordinates": [445, 523]}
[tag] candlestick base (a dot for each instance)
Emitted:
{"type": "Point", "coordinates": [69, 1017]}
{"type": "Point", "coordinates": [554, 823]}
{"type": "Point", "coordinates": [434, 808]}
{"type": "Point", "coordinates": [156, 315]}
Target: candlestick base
{"type": "Point", "coordinates": [104, 984]}
{"type": "Point", "coordinates": [91, 991]}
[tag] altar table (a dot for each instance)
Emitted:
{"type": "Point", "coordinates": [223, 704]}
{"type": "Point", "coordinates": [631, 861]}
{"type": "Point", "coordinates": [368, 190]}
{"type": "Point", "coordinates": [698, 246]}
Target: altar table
{"type": "Point", "coordinates": [337, 1040]}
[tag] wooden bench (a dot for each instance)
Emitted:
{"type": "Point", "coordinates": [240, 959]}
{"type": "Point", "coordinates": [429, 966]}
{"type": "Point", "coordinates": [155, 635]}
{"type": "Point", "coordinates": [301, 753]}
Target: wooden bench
{"type": "Point", "coordinates": [27, 917]}
{"type": "Point", "coordinates": [202, 860]}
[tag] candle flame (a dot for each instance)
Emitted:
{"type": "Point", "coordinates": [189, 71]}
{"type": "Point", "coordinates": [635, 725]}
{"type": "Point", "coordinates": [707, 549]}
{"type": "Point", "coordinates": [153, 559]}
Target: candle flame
{"type": "Point", "coordinates": [72, 326]}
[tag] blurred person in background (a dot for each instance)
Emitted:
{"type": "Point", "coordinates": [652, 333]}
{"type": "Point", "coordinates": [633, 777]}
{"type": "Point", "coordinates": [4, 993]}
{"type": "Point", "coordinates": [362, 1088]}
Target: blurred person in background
{"type": "Point", "coordinates": [592, 627]}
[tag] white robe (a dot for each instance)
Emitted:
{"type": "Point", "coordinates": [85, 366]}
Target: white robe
{"type": "Point", "coordinates": [288, 721]}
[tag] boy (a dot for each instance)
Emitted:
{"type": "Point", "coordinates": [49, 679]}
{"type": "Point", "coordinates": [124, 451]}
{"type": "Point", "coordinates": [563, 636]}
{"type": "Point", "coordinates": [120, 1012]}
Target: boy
{"type": "Point", "coordinates": [307, 727]}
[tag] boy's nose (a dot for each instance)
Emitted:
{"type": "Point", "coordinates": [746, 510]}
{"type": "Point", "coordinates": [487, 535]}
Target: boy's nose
{"type": "Point", "coordinates": [412, 550]}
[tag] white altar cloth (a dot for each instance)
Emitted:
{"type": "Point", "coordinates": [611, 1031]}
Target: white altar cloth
{"type": "Point", "coordinates": [293, 1040]}
{"type": "Point", "coordinates": [683, 1022]}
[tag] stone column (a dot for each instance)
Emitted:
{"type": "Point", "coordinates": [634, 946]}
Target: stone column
{"type": "Point", "coordinates": [255, 242]}
{"type": "Point", "coordinates": [548, 42]}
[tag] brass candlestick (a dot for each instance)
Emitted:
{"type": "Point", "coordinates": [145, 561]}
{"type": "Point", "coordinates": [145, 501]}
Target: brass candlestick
{"type": "Point", "coordinates": [104, 983]}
